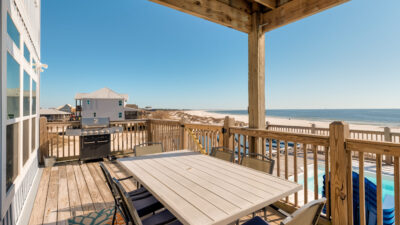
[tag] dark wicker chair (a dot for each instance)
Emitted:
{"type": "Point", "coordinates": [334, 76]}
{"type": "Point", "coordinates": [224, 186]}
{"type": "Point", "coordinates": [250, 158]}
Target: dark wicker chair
{"type": "Point", "coordinates": [223, 153]}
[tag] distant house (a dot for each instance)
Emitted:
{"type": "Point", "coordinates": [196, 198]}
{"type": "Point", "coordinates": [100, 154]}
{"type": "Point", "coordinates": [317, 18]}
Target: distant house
{"type": "Point", "coordinates": [54, 115]}
{"type": "Point", "coordinates": [66, 108]}
{"type": "Point", "coordinates": [101, 103]}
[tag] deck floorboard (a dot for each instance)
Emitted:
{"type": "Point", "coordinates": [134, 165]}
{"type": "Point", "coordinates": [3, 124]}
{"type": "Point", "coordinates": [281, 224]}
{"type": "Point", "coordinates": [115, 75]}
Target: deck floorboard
{"type": "Point", "coordinates": [69, 189]}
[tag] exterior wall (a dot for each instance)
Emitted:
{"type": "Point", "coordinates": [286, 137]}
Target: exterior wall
{"type": "Point", "coordinates": [14, 201]}
{"type": "Point", "coordinates": [103, 108]}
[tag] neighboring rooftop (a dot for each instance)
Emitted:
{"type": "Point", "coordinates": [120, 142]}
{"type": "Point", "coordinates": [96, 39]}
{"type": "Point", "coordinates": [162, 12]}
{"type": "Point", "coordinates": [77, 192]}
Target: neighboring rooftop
{"type": "Point", "coordinates": [52, 112]}
{"type": "Point", "coordinates": [104, 93]}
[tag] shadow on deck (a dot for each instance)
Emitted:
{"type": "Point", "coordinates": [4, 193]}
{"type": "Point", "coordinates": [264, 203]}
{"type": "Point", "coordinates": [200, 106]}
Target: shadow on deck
{"type": "Point", "coordinates": [70, 189]}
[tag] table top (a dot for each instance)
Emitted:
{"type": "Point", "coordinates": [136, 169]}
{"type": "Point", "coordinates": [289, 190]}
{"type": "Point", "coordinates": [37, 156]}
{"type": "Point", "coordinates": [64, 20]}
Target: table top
{"type": "Point", "coordinates": [200, 189]}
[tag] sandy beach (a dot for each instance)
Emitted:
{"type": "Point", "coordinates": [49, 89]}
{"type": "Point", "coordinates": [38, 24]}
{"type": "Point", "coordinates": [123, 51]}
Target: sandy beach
{"type": "Point", "coordinates": [286, 121]}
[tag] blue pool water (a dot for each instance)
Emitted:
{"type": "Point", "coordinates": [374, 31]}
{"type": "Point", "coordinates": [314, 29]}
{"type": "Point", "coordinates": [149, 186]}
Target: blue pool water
{"type": "Point", "coordinates": [387, 181]}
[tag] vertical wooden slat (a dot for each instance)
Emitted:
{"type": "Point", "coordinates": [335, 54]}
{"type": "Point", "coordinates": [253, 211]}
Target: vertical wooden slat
{"type": "Point", "coordinates": [270, 148]}
{"type": "Point", "coordinates": [305, 174]}
{"type": "Point", "coordinates": [278, 158]}
{"type": "Point", "coordinates": [239, 148]}
{"type": "Point", "coordinates": [296, 195]}
{"type": "Point", "coordinates": [63, 138]}
{"type": "Point", "coordinates": [361, 186]}
{"type": "Point", "coordinates": [379, 214]}
{"type": "Point", "coordinates": [397, 189]}
{"type": "Point", "coordinates": [58, 150]}
{"type": "Point", "coordinates": [286, 165]}
{"type": "Point", "coordinates": [327, 186]}
{"type": "Point", "coordinates": [314, 148]}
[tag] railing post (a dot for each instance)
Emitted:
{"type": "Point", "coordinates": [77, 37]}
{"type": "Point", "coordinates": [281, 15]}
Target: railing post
{"type": "Point", "coordinates": [227, 137]}
{"type": "Point", "coordinates": [388, 138]}
{"type": "Point", "coordinates": [184, 135]}
{"type": "Point", "coordinates": [341, 175]}
{"type": "Point", "coordinates": [149, 131]}
{"type": "Point", "coordinates": [313, 128]}
{"type": "Point", "coordinates": [43, 139]}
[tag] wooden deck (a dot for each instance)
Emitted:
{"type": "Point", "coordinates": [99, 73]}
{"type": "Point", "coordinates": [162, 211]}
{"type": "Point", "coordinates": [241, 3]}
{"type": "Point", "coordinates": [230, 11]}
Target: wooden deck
{"type": "Point", "coordinates": [69, 189]}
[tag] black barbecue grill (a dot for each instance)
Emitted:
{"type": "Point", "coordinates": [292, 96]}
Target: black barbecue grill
{"type": "Point", "coordinates": [95, 141]}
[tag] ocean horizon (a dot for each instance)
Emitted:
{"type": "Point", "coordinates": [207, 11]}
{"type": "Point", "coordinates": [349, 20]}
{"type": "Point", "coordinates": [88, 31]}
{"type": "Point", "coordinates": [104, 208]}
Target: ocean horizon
{"type": "Point", "coordinates": [381, 117]}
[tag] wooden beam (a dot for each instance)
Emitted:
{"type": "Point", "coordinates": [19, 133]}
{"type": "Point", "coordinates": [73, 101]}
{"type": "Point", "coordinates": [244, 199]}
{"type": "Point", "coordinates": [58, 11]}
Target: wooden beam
{"type": "Point", "coordinates": [215, 11]}
{"type": "Point", "coordinates": [295, 10]}
{"type": "Point", "coordinates": [256, 80]}
{"type": "Point", "coordinates": [268, 3]}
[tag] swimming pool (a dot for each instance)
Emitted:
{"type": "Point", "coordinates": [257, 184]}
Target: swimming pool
{"type": "Point", "coordinates": [387, 181]}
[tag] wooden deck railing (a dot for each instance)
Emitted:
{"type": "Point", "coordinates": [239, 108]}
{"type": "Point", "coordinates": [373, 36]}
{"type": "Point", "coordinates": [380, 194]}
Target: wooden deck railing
{"type": "Point", "coordinates": [299, 156]}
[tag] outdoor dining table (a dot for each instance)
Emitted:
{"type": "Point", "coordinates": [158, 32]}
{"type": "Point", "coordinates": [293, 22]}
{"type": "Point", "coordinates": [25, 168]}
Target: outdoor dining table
{"type": "Point", "coordinates": [200, 189]}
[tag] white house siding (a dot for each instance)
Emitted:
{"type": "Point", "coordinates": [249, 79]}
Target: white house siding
{"type": "Point", "coordinates": [103, 108]}
{"type": "Point", "coordinates": [16, 202]}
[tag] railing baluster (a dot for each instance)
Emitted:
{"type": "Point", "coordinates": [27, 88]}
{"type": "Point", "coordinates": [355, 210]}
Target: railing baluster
{"type": "Point", "coordinates": [327, 186]}
{"type": "Point", "coordinates": [305, 174]}
{"type": "Point", "coordinates": [361, 184]}
{"type": "Point", "coordinates": [315, 172]}
{"type": "Point", "coordinates": [286, 165]}
{"type": "Point", "coordinates": [379, 213]}
{"type": "Point", "coordinates": [270, 148]}
{"type": "Point", "coordinates": [278, 158]}
{"type": "Point", "coordinates": [296, 195]}
{"type": "Point", "coordinates": [397, 189]}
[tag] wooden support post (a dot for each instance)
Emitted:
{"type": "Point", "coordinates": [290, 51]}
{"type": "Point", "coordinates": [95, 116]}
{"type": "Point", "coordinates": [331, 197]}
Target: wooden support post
{"type": "Point", "coordinates": [227, 137]}
{"type": "Point", "coordinates": [43, 139]}
{"type": "Point", "coordinates": [388, 138]}
{"type": "Point", "coordinates": [149, 131]}
{"type": "Point", "coordinates": [256, 78]}
{"type": "Point", "coordinates": [184, 135]}
{"type": "Point", "coordinates": [341, 193]}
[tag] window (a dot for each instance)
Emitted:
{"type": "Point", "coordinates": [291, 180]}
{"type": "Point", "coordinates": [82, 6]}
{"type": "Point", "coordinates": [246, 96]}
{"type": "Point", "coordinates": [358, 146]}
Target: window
{"type": "Point", "coordinates": [25, 143]}
{"type": "Point", "coordinates": [27, 54]}
{"type": "Point", "coordinates": [12, 30]}
{"type": "Point", "coordinates": [94, 114]}
{"type": "Point", "coordinates": [27, 93]}
{"type": "Point", "coordinates": [33, 134]}
{"type": "Point", "coordinates": [120, 102]}
{"type": "Point", "coordinates": [13, 87]}
{"type": "Point", "coordinates": [11, 154]}
{"type": "Point", "coordinates": [120, 115]}
{"type": "Point", "coordinates": [88, 102]}
{"type": "Point", "coordinates": [34, 106]}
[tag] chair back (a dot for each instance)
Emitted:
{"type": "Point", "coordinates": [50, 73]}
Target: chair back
{"type": "Point", "coordinates": [223, 153]}
{"type": "Point", "coordinates": [126, 203]}
{"type": "Point", "coordinates": [258, 162]}
{"type": "Point", "coordinates": [306, 215]}
{"type": "Point", "coordinates": [109, 180]}
{"type": "Point", "coordinates": [148, 148]}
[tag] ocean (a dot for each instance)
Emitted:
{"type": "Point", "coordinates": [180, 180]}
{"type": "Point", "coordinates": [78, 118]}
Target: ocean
{"type": "Point", "coordinates": [379, 117]}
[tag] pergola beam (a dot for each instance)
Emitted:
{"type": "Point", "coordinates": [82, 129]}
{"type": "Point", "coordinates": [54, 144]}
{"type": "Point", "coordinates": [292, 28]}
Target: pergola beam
{"type": "Point", "coordinates": [215, 11]}
{"type": "Point", "coordinates": [268, 3]}
{"type": "Point", "coordinates": [295, 10]}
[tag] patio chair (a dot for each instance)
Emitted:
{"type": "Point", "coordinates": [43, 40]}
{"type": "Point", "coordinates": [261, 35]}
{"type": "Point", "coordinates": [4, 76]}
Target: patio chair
{"type": "Point", "coordinates": [258, 162]}
{"type": "Point", "coordinates": [223, 153]}
{"type": "Point", "coordinates": [261, 163]}
{"type": "Point", "coordinates": [133, 215]}
{"type": "Point", "coordinates": [306, 215]}
{"type": "Point", "coordinates": [148, 148]}
{"type": "Point", "coordinates": [145, 202]}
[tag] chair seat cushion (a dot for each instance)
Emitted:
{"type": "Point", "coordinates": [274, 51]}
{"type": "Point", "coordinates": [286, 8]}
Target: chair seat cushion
{"type": "Point", "coordinates": [159, 218]}
{"type": "Point", "coordinates": [256, 221]}
{"type": "Point", "coordinates": [147, 205]}
{"type": "Point", "coordinates": [140, 196]}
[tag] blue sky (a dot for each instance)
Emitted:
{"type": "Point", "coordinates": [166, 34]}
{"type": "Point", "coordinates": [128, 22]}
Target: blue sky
{"type": "Point", "coordinates": [345, 57]}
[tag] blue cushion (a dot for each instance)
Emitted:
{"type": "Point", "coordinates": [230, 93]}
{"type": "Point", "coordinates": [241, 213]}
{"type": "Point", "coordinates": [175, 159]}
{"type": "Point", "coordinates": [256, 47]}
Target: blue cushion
{"type": "Point", "coordinates": [159, 218]}
{"type": "Point", "coordinates": [256, 221]}
{"type": "Point", "coordinates": [147, 205]}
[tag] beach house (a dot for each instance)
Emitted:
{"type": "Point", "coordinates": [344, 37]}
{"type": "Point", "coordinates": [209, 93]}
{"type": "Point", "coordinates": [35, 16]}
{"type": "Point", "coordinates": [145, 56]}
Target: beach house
{"type": "Point", "coordinates": [19, 74]}
{"type": "Point", "coordinates": [101, 103]}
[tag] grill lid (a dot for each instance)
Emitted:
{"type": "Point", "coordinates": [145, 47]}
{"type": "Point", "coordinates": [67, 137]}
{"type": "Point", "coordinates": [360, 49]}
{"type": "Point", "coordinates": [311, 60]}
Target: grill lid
{"type": "Point", "coordinates": [87, 123]}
